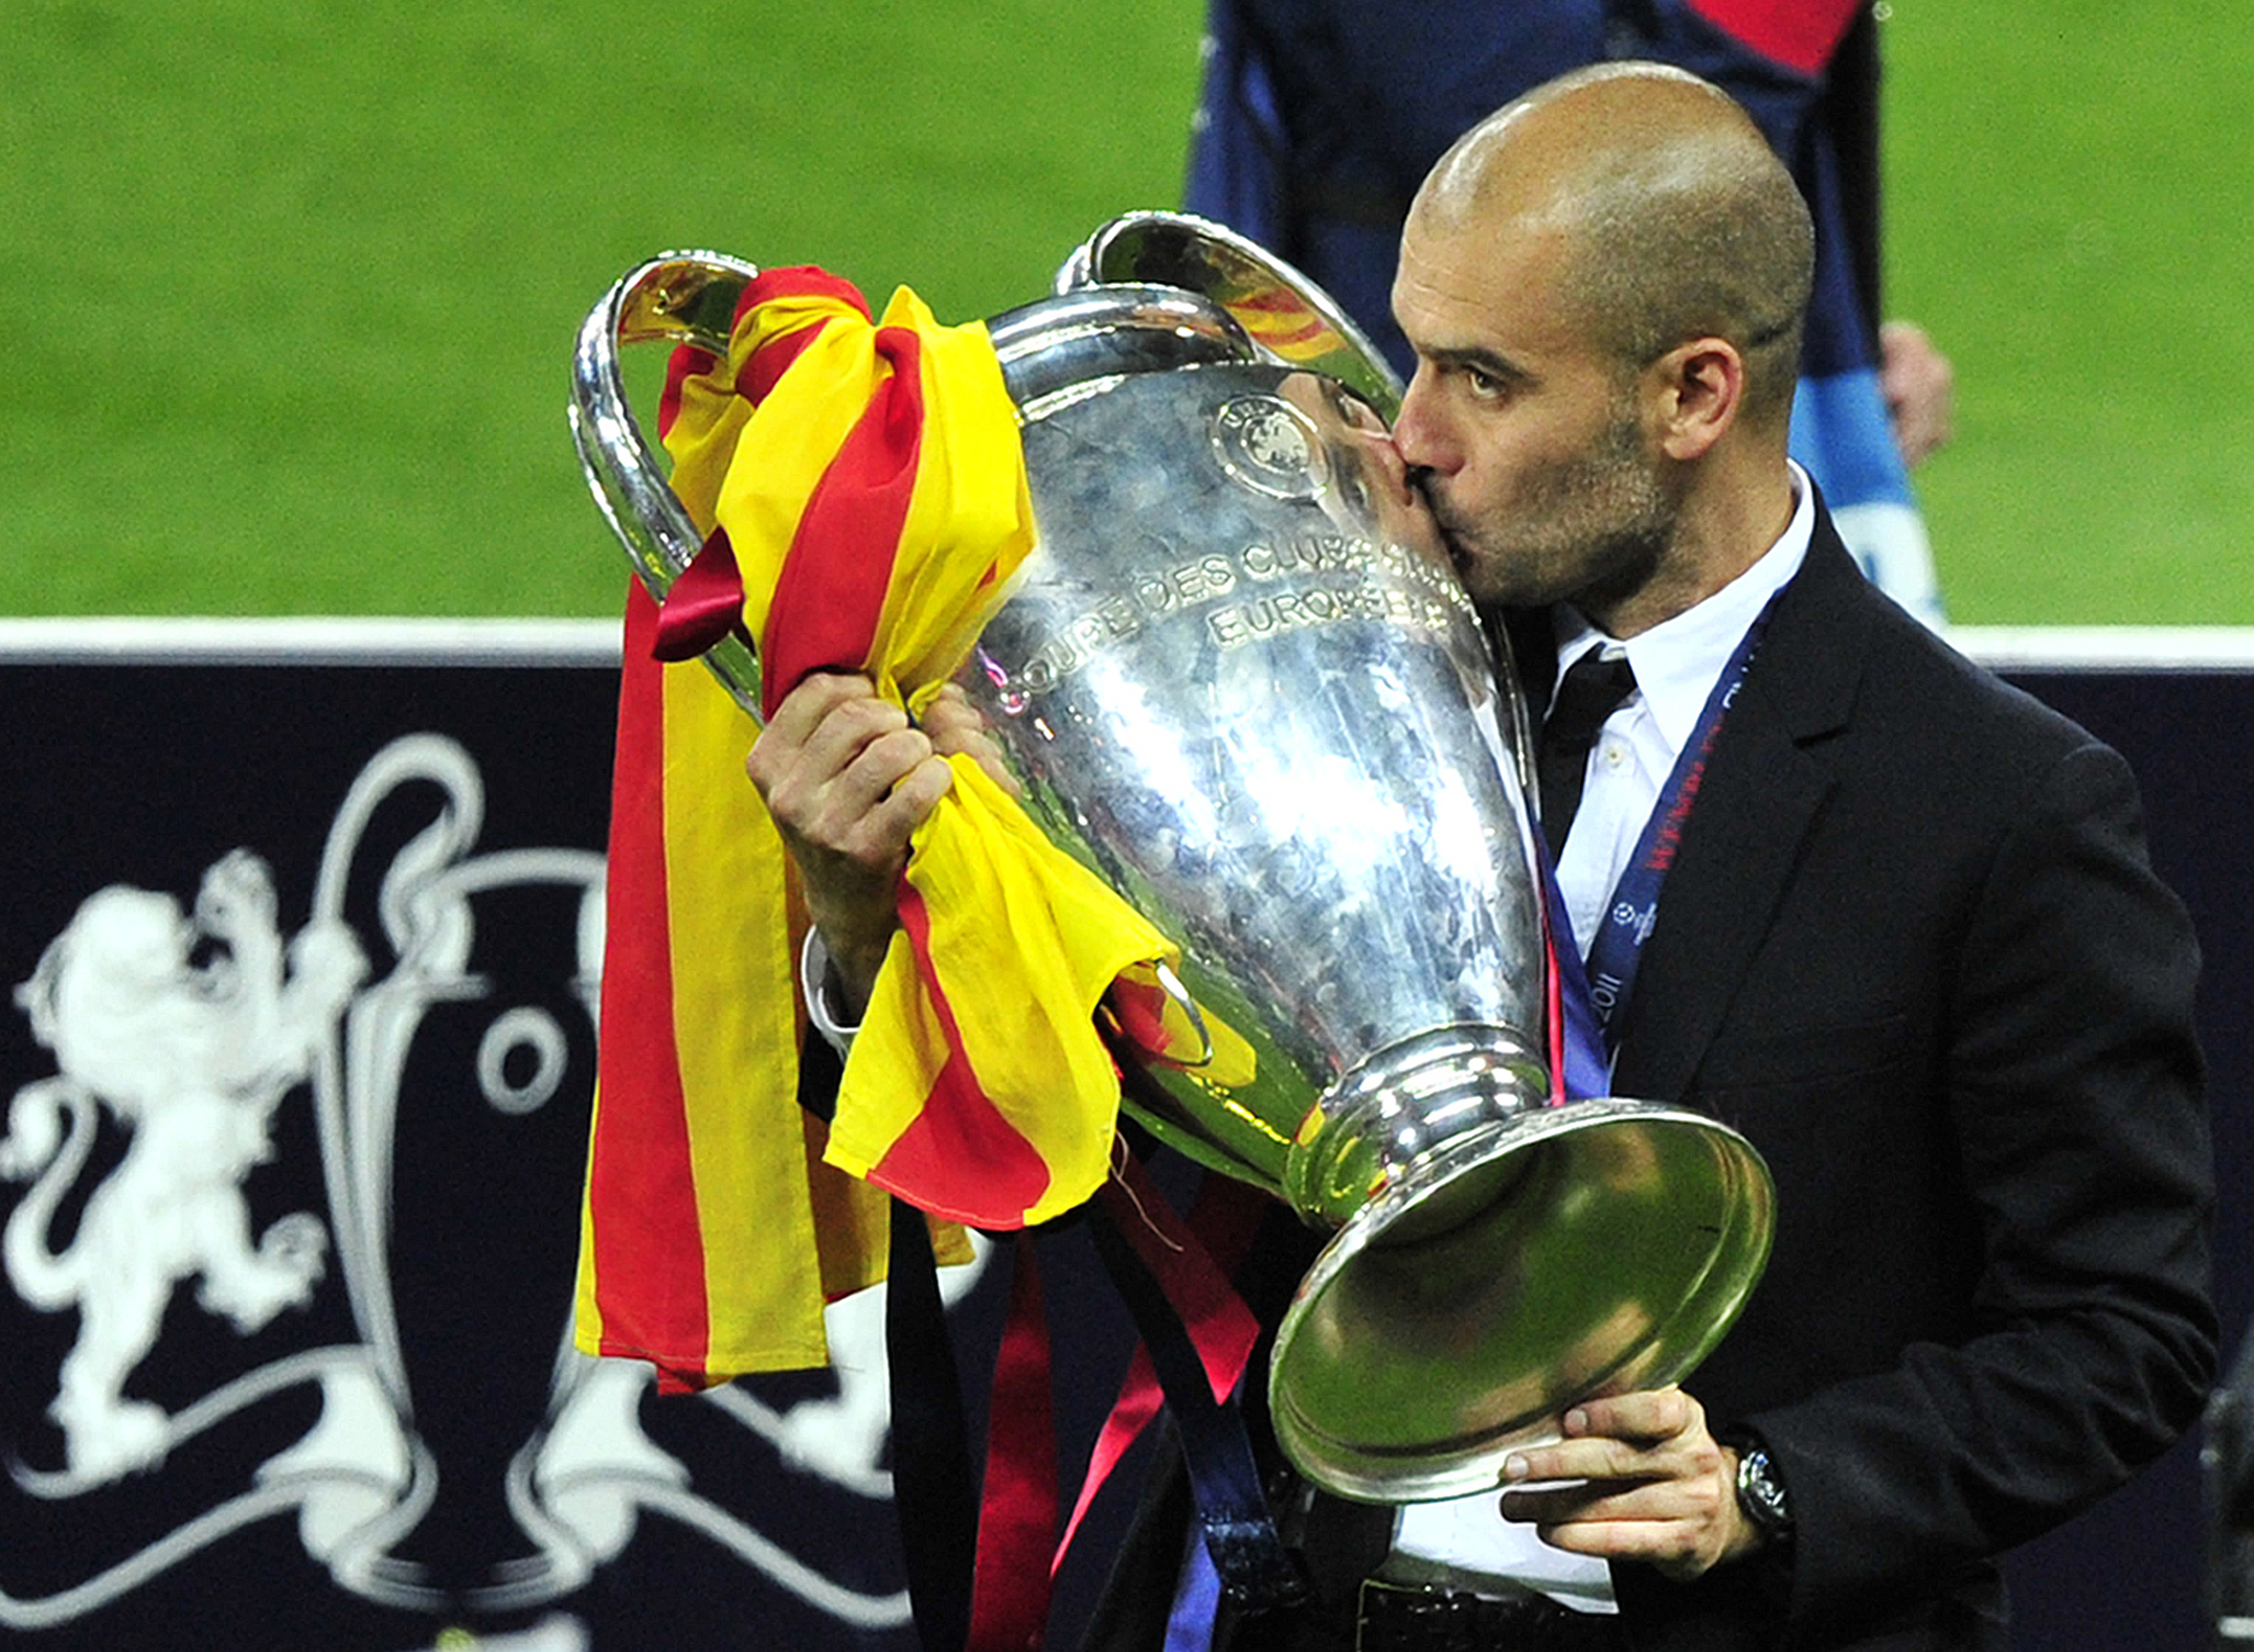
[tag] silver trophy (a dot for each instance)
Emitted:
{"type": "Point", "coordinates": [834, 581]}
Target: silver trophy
{"type": "Point", "coordinates": [1276, 727]}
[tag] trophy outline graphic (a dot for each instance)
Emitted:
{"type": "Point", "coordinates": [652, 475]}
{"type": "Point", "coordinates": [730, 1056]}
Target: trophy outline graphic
{"type": "Point", "coordinates": [361, 1478]}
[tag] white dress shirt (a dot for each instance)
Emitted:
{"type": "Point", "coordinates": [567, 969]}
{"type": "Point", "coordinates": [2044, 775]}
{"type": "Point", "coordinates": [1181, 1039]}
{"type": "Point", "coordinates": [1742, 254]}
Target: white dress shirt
{"type": "Point", "coordinates": [1465, 1543]}
{"type": "Point", "coordinates": [1676, 664]}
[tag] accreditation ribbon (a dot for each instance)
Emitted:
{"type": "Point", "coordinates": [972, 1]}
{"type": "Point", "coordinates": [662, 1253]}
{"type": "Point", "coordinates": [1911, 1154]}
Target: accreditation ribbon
{"type": "Point", "coordinates": [1588, 999]}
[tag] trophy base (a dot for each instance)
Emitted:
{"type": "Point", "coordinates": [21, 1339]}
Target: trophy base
{"type": "Point", "coordinates": [1599, 1247]}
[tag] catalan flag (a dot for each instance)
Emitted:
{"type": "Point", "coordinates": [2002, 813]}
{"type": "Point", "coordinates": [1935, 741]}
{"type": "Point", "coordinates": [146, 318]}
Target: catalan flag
{"type": "Point", "coordinates": [1280, 322]}
{"type": "Point", "coordinates": [863, 492]}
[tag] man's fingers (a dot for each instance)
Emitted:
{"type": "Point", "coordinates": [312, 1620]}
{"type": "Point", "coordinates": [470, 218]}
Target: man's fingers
{"type": "Point", "coordinates": [955, 725]}
{"type": "Point", "coordinates": [948, 717]}
{"type": "Point", "coordinates": [1655, 1435]}
{"type": "Point", "coordinates": [907, 800]}
{"type": "Point", "coordinates": [1655, 1497]}
{"type": "Point", "coordinates": [1599, 1459]}
{"type": "Point", "coordinates": [1675, 1548]}
{"type": "Point", "coordinates": [1680, 1525]}
{"type": "Point", "coordinates": [1637, 1476]}
{"type": "Point", "coordinates": [847, 779]}
{"type": "Point", "coordinates": [804, 708]}
{"type": "Point", "coordinates": [1918, 384]}
{"type": "Point", "coordinates": [1648, 1417]}
{"type": "Point", "coordinates": [823, 735]}
{"type": "Point", "coordinates": [868, 756]}
{"type": "Point", "coordinates": [832, 755]}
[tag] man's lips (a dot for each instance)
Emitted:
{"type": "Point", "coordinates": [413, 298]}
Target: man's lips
{"type": "Point", "coordinates": [1451, 537]}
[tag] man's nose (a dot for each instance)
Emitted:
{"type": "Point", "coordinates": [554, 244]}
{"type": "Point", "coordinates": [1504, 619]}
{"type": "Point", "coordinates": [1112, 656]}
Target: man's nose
{"type": "Point", "coordinates": [1416, 431]}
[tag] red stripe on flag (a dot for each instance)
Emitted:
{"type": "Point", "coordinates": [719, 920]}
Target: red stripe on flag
{"type": "Point", "coordinates": [1800, 34]}
{"type": "Point", "coordinates": [958, 1145]}
{"type": "Point", "coordinates": [685, 363]}
{"type": "Point", "coordinates": [772, 360]}
{"type": "Point", "coordinates": [641, 1192]}
{"type": "Point", "coordinates": [832, 586]}
{"type": "Point", "coordinates": [798, 281]}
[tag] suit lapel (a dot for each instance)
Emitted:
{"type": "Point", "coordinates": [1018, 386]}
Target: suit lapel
{"type": "Point", "coordinates": [1764, 790]}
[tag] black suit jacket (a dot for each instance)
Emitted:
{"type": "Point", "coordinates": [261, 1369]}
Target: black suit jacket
{"type": "Point", "coordinates": [1913, 950]}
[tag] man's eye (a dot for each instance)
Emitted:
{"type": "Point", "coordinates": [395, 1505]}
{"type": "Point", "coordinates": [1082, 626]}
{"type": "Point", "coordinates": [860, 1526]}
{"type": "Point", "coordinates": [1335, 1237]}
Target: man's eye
{"type": "Point", "coordinates": [1483, 384]}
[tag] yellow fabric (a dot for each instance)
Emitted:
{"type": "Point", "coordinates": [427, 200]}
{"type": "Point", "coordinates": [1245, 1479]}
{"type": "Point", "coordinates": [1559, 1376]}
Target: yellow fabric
{"type": "Point", "coordinates": [781, 1233]}
{"type": "Point", "coordinates": [722, 858]}
{"type": "Point", "coordinates": [1025, 940]}
{"type": "Point", "coordinates": [1024, 992]}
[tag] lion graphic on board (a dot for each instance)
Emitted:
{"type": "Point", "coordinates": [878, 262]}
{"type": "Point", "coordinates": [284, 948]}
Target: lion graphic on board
{"type": "Point", "coordinates": [190, 1031]}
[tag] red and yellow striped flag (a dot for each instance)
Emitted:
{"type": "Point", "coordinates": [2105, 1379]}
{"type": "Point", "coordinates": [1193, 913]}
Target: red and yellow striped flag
{"type": "Point", "coordinates": [1282, 322]}
{"type": "Point", "coordinates": [863, 491]}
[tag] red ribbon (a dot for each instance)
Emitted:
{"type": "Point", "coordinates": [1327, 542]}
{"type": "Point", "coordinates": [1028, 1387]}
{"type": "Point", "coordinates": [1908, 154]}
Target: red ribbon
{"type": "Point", "coordinates": [1017, 1512]}
{"type": "Point", "coordinates": [705, 603]}
{"type": "Point", "coordinates": [1190, 1262]}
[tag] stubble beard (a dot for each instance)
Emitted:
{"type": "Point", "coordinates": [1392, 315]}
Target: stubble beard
{"type": "Point", "coordinates": [1592, 533]}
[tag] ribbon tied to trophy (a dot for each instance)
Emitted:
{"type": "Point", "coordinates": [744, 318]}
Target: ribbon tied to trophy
{"type": "Point", "coordinates": [864, 501]}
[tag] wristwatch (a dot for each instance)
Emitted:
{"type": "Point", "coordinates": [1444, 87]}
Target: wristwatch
{"type": "Point", "coordinates": [1761, 1492]}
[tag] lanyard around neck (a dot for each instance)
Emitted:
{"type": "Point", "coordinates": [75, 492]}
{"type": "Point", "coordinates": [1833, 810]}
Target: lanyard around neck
{"type": "Point", "coordinates": [1589, 1003]}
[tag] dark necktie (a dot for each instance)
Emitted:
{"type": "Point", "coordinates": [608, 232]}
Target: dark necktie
{"type": "Point", "coordinates": [1591, 692]}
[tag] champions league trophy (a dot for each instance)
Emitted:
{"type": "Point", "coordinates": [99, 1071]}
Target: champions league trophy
{"type": "Point", "coordinates": [1277, 730]}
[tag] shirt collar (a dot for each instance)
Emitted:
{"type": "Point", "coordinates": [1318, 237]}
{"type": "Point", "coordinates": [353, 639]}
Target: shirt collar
{"type": "Point", "coordinates": [1679, 660]}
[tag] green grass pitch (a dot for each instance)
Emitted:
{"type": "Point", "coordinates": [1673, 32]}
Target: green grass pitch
{"type": "Point", "coordinates": [290, 291]}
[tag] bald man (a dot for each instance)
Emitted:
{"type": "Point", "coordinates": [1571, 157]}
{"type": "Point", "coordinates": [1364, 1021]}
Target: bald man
{"type": "Point", "coordinates": [1909, 944]}
{"type": "Point", "coordinates": [1604, 286]}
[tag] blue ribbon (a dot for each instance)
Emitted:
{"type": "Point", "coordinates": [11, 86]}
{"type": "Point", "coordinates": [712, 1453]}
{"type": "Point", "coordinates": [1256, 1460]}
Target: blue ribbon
{"type": "Point", "coordinates": [1252, 1567]}
{"type": "Point", "coordinates": [1595, 998]}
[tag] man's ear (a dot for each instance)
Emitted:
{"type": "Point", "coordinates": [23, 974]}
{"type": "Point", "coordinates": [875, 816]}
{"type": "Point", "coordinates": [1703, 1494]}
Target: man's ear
{"type": "Point", "coordinates": [1699, 391]}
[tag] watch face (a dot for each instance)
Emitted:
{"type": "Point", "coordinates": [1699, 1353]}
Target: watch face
{"type": "Point", "coordinates": [1761, 1494]}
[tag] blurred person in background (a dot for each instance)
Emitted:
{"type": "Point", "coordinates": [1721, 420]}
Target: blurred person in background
{"type": "Point", "coordinates": [1319, 118]}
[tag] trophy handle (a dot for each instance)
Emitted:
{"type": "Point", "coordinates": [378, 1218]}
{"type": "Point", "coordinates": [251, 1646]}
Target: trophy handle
{"type": "Point", "coordinates": [1052, 352]}
{"type": "Point", "coordinates": [1289, 317]}
{"type": "Point", "coordinates": [1170, 984]}
{"type": "Point", "coordinates": [684, 298]}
